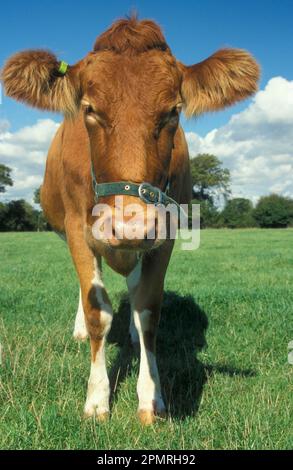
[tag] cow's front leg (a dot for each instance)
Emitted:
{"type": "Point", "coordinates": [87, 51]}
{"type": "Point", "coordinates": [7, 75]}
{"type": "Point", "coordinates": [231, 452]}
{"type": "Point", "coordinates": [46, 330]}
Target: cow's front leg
{"type": "Point", "coordinates": [98, 318]}
{"type": "Point", "coordinates": [98, 315]}
{"type": "Point", "coordinates": [132, 283]}
{"type": "Point", "coordinates": [149, 393]}
{"type": "Point", "coordinates": [146, 298]}
{"type": "Point", "coordinates": [142, 330]}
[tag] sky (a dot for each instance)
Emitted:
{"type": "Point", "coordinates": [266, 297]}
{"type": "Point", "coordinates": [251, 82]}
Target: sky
{"type": "Point", "coordinates": [252, 139]}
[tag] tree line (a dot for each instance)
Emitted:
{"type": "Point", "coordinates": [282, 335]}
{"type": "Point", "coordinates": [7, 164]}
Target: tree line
{"type": "Point", "coordinates": [211, 182]}
{"type": "Point", "coordinates": [18, 215]}
{"type": "Point", "coordinates": [210, 188]}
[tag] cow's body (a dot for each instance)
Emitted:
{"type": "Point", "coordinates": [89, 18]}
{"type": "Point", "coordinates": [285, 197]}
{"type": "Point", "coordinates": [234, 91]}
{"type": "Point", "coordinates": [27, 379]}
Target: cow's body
{"type": "Point", "coordinates": [123, 101]}
{"type": "Point", "coordinates": [67, 199]}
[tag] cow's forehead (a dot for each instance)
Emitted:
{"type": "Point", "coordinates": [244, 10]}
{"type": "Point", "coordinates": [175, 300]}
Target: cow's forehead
{"type": "Point", "coordinates": [149, 77]}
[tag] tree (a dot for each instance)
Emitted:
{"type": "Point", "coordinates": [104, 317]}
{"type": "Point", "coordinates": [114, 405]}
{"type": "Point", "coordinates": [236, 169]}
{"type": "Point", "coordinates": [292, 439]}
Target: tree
{"type": "Point", "coordinates": [208, 177]}
{"type": "Point", "coordinates": [37, 199]}
{"type": "Point", "coordinates": [274, 211]}
{"type": "Point", "coordinates": [209, 215]}
{"type": "Point", "coordinates": [238, 212]}
{"type": "Point", "coordinates": [3, 216]}
{"type": "Point", "coordinates": [42, 223]}
{"type": "Point", "coordinates": [20, 216]}
{"type": "Point", "coordinates": [5, 178]}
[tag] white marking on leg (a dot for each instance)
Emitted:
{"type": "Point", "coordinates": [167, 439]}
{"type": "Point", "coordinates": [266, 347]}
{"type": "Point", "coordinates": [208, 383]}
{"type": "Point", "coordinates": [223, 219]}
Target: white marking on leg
{"type": "Point", "coordinates": [148, 384]}
{"type": "Point", "coordinates": [80, 331]}
{"type": "Point", "coordinates": [106, 313]}
{"type": "Point", "coordinates": [132, 281]}
{"type": "Point", "coordinates": [98, 393]}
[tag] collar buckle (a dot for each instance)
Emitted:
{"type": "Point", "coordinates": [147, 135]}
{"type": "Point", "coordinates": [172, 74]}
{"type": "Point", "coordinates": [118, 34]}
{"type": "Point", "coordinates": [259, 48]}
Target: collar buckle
{"type": "Point", "coordinates": [150, 194]}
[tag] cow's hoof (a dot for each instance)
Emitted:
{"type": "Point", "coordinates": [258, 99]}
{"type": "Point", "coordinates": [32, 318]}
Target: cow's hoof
{"type": "Point", "coordinates": [148, 417]}
{"type": "Point", "coordinates": [101, 416]}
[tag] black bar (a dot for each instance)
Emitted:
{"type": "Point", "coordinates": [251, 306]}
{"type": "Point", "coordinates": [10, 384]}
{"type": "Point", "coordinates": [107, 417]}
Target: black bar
{"type": "Point", "coordinates": [132, 459]}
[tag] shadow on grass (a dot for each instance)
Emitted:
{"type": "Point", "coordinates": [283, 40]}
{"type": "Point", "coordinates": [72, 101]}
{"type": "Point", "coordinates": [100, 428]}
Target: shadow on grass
{"type": "Point", "coordinates": [181, 336]}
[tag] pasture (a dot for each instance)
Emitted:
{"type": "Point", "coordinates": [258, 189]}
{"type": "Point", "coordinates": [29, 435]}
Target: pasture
{"type": "Point", "coordinates": [222, 348]}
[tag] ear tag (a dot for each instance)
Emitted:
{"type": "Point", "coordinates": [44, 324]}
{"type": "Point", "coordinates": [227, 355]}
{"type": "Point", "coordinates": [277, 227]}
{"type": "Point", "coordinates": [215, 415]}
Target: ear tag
{"type": "Point", "coordinates": [63, 67]}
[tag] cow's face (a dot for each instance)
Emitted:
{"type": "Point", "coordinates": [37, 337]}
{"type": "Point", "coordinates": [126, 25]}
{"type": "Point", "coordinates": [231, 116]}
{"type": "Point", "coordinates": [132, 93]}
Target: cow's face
{"type": "Point", "coordinates": [130, 92]}
{"type": "Point", "coordinates": [131, 108]}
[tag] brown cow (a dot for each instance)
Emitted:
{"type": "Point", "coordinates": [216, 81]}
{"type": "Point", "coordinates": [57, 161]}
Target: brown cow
{"type": "Point", "coordinates": [122, 104]}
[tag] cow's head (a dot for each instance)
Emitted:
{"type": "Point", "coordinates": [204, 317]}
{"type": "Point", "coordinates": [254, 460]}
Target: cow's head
{"type": "Point", "coordinates": [130, 91]}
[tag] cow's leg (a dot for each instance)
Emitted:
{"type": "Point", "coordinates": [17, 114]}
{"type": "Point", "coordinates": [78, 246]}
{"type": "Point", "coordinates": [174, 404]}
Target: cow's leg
{"type": "Point", "coordinates": [148, 385]}
{"type": "Point", "coordinates": [80, 332]}
{"type": "Point", "coordinates": [98, 317]}
{"type": "Point", "coordinates": [146, 302]}
{"type": "Point", "coordinates": [132, 282]}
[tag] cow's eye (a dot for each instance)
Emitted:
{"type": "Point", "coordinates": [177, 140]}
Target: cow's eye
{"type": "Point", "coordinates": [89, 109]}
{"type": "Point", "coordinates": [175, 111]}
{"type": "Point", "coordinates": [173, 115]}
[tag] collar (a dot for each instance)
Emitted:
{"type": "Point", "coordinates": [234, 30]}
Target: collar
{"type": "Point", "coordinates": [145, 191]}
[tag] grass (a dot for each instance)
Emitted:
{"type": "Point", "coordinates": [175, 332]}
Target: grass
{"type": "Point", "coordinates": [222, 348]}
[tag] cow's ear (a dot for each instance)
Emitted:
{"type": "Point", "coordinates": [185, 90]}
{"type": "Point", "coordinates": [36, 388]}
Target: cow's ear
{"type": "Point", "coordinates": [37, 78]}
{"type": "Point", "coordinates": [226, 77]}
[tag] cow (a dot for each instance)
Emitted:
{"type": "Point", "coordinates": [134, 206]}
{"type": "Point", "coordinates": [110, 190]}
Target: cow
{"type": "Point", "coordinates": [121, 105]}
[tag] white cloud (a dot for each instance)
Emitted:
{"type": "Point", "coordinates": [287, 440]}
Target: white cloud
{"type": "Point", "coordinates": [4, 125]}
{"type": "Point", "coordinates": [25, 152]}
{"type": "Point", "coordinates": [256, 144]}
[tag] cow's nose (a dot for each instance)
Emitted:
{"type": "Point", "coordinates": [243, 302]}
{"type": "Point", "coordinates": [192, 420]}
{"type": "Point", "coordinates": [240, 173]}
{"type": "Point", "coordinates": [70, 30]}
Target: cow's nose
{"type": "Point", "coordinates": [128, 230]}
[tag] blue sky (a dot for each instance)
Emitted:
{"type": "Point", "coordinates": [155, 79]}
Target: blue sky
{"type": "Point", "coordinates": [253, 139]}
{"type": "Point", "coordinates": [194, 30]}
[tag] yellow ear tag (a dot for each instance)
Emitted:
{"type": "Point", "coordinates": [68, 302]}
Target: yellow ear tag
{"type": "Point", "coordinates": [63, 67]}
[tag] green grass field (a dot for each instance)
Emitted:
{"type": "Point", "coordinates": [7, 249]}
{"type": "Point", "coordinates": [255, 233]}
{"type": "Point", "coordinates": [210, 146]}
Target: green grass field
{"type": "Point", "coordinates": [222, 348]}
